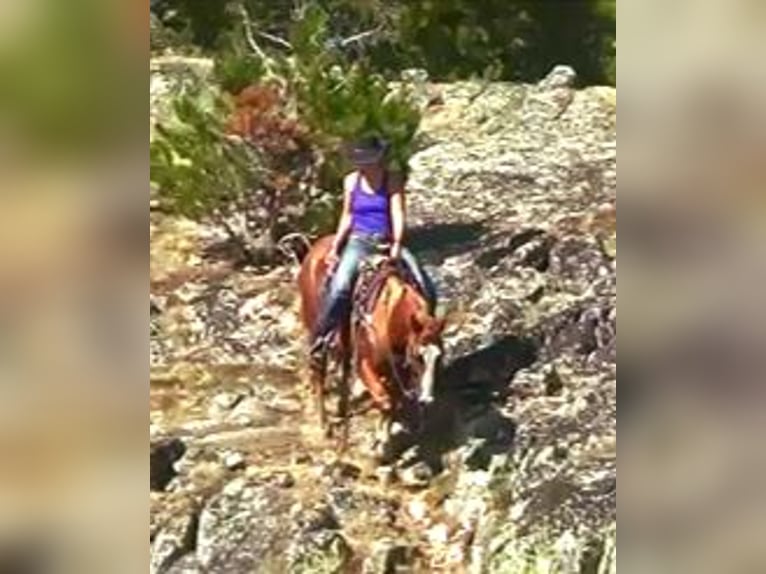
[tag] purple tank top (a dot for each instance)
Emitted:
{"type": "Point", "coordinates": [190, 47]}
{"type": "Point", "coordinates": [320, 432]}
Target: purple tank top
{"type": "Point", "coordinates": [371, 212]}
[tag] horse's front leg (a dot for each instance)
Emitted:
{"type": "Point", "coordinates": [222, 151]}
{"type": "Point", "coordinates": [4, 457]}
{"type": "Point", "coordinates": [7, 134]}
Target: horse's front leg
{"type": "Point", "coordinates": [376, 385]}
{"type": "Point", "coordinates": [318, 375]}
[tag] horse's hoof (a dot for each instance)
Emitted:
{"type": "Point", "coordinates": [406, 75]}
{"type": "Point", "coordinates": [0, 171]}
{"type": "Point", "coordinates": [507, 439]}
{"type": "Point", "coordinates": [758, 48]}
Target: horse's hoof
{"type": "Point", "coordinates": [417, 476]}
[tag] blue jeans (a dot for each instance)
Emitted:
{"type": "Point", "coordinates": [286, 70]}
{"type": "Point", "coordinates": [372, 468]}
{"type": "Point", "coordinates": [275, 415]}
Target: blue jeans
{"type": "Point", "coordinates": [336, 301]}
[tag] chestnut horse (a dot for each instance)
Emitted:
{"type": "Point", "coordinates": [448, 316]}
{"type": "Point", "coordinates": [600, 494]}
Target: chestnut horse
{"type": "Point", "coordinates": [396, 349]}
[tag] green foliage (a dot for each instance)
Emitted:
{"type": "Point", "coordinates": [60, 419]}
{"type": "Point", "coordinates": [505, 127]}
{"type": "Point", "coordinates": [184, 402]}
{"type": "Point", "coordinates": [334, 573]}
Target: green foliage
{"type": "Point", "coordinates": [335, 98]}
{"type": "Point", "coordinates": [506, 39]}
{"type": "Point", "coordinates": [451, 39]}
{"type": "Point", "coordinates": [241, 164]}
{"type": "Point", "coordinates": [196, 168]}
{"type": "Point", "coordinates": [291, 113]}
{"type": "Point", "coordinates": [340, 102]}
{"type": "Point", "coordinates": [235, 71]}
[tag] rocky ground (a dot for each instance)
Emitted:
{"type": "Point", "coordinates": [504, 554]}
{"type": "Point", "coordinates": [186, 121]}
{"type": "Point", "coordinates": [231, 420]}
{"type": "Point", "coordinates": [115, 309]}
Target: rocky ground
{"type": "Point", "coordinates": [513, 211]}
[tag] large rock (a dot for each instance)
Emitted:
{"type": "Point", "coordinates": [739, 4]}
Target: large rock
{"type": "Point", "coordinates": [519, 184]}
{"type": "Point", "coordinates": [243, 529]}
{"type": "Point", "coordinates": [264, 528]}
{"type": "Point", "coordinates": [493, 154]}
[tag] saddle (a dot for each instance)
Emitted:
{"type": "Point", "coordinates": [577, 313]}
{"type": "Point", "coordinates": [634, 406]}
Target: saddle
{"type": "Point", "coordinates": [373, 273]}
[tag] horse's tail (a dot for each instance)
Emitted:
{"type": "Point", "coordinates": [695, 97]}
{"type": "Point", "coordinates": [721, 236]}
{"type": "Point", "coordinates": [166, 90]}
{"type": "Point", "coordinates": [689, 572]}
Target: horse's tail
{"type": "Point", "coordinates": [295, 246]}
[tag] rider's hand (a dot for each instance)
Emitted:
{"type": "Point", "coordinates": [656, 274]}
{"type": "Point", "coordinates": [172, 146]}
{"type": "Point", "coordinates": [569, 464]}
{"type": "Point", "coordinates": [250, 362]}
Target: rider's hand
{"type": "Point", "coordinates": [331, 259]}
{"type": "Point", "coordinates": [396, 251]}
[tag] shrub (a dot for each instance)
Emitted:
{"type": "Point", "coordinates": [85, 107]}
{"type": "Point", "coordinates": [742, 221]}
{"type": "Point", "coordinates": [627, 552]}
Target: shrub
{"type": "Point", "coordinates": [265, 158]}
{"type": "Point", "coordinates": [238, 163]}
{"type": "Point", "coordinates": [234, 73]}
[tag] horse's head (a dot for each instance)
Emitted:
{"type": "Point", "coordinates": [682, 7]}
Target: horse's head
{"type": "Point", "coordinates": [424, 351]}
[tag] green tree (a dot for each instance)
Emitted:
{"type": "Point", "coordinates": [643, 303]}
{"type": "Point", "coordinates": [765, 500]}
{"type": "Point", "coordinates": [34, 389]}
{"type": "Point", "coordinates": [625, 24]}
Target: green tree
{"type": "Point", "coordinates": [509, 39]}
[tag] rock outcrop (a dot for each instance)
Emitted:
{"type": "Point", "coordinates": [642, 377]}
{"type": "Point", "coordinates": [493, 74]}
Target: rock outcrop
{"type": "Point", "coordinates": [513, 211]}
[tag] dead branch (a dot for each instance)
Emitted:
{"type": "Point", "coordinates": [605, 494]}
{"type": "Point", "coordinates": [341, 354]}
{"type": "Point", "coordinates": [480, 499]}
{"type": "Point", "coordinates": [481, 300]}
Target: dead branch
{"type": "Point", "coordinates": [359, 37]}
{"type": "Point", "coordinates": [276, 39]}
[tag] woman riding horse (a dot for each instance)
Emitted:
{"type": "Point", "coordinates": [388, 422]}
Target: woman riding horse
{"type": "Point", "coordinates": [372, 221]}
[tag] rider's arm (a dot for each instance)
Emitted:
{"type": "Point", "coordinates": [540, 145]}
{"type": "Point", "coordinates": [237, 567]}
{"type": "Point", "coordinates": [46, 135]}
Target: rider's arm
{"type": "Point", "coordinates": [344, 225]}
{"type": "Point", "coordinates": [396, 189]}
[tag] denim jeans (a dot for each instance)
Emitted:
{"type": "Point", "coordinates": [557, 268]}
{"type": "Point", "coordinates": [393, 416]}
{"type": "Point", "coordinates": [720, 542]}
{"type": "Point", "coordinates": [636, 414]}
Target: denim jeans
{"type": "Point", "coordinates": [336, 300]}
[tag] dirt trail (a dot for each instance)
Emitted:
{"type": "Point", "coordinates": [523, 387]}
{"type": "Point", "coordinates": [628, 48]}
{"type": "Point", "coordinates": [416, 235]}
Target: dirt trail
{"type": "Point", "coordinates": [266, 416]}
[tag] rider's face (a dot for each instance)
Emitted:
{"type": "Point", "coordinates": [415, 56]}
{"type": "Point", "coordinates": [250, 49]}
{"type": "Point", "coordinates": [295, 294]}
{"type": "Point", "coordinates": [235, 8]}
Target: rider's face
{"type": "Point", "coordinates": [371, 170]}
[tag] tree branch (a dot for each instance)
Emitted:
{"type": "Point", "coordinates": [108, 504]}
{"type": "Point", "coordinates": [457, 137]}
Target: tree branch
{"type": "Point", "coordinates": [359, 37]}
{"type": "Point", "coordinates": [249, 36]}
{"type": "Point", "coordinates": [276, 39]}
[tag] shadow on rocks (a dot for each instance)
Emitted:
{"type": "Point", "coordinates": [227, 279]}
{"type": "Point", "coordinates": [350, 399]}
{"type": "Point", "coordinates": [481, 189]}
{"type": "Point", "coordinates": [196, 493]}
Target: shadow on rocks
{"type": "Point", "coordinates": [487, 373]}
{"type": "Point", "coordinates": [434, 242]}
{"type": "Point", "coordinates": [466, 415]}
{"type": "Point", "coordinates": [240, 254]}
{"type": "Point", "coordinates": [532, 248]}
{"type": "Point", "coordinates": [162, 457]}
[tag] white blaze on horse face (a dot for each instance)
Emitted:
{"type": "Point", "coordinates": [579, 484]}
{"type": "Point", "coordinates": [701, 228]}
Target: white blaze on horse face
{"type": "Point", "coordinates": [430, 356]}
